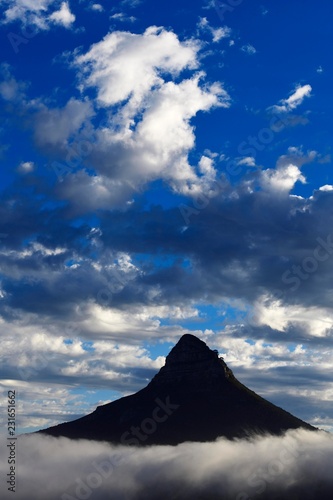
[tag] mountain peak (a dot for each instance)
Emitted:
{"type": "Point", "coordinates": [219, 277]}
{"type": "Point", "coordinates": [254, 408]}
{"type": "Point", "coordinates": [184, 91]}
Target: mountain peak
{"type": "Point", "coordinates": [201, 399]}
{"type": "Point", "coordinates": [193, 363]}
{"type": "Point", "coordinates": [189, 349]}
{"type": "Point", "coordinates": [190, 339]}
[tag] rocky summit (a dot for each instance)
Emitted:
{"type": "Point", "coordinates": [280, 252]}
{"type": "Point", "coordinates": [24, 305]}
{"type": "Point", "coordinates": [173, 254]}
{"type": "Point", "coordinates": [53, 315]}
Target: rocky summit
{"type": "Point", "coordinates": [194, 397]}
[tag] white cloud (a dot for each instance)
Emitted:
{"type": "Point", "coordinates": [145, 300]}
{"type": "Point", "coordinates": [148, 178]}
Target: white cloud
{"type": "Point", "coordinates": [127, 66]}
{"type": "Point", "coordinates": [299, 461]}
{"type": "Point", "coordinates": [24, 9]}
{"type": "Point", "coordinates": [259, 355]}
{"type": "Point", "coordinates": [149, 134]}
{"type": "Point", "coordinates": [63, 16]}
{"type": "Point", "coordinates": [316, 321]}
{"type": "Point", "coordinates": [26, 167]}
{"type": "Point", "coordinates": [216, 33]}
{"type": "Point", "coordinates": [283, 179]}
{"type": "Point", "coordinates": [41, 405]}
{"type": "Point", "coordinates": [294, 100]}
{"type": "Point", "coordinates": [248, 161]}
{"type": "Point", "coordinates": [38, 13]}
{"type": "Point", "coordinates": [249, 49]}
{"type": "Point", "coordinates": [98, 7]}
{"type": "Point", "coordinates": [141, 323]}
{"type": "Point", "coordinates": [122, 17]}
{"type": "Point", "coordinates": [287, 172]}
{"type": "Point", "coordinates": [327, 187]}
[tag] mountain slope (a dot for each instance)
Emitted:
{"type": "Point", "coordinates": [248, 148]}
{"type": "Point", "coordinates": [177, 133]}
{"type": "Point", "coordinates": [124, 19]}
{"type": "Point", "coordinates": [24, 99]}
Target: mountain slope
{"type": "Point", "coordinates": [194, 397]}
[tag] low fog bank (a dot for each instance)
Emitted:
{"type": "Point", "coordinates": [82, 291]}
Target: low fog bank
{"type": "Point", "coordinates": [297, 465]}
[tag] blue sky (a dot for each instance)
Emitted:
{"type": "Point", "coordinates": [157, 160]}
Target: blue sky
{"type": "Point", "coordinates": [165, 168]}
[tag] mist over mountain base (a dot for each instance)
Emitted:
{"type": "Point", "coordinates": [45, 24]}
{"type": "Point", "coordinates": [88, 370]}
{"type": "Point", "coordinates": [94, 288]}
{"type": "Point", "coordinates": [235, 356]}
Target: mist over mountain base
{"type": "Point", "coordinates": [297, 465]}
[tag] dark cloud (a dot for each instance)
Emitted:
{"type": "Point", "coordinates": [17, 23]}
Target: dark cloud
{"type": "Point", "coordinates": [242, 245]}
{"type": "Point", "coordinates": [237, 247]}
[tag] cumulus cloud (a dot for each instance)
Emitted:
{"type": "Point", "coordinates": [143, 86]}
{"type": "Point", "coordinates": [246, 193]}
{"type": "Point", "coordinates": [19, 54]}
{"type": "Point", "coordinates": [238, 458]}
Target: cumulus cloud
{"type": "Point", "coordinates": [298, 463]}
{"type": "Point", "coordinates": [295, 99]}
{"type": "Point", "coordinates": [283, 178]}
{"type": "Point", "coordinates": [148, 134]}
{"type": "Point", "coordinates": [124, 65]}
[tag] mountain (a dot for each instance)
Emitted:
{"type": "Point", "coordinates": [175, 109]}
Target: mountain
{"type": "Point", "coordinates": [194, 397]}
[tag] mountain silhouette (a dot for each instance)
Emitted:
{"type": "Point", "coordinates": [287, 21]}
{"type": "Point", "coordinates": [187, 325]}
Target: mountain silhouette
{"type": "Point", "coordinates": [194, 397]}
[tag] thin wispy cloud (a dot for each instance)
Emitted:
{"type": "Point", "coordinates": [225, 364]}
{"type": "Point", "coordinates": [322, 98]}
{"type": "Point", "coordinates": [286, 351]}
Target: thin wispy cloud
{"type": "Point", "coordinates": [249, 49]}
{"type": "Point", "coordinates": [294, 100]}
{"type": "Point", "coordinates": [217, 33]}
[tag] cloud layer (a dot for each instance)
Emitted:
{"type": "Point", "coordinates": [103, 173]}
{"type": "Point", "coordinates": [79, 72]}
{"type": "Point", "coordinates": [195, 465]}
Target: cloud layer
{"type": "Point", "coordinates": [299, 463]}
